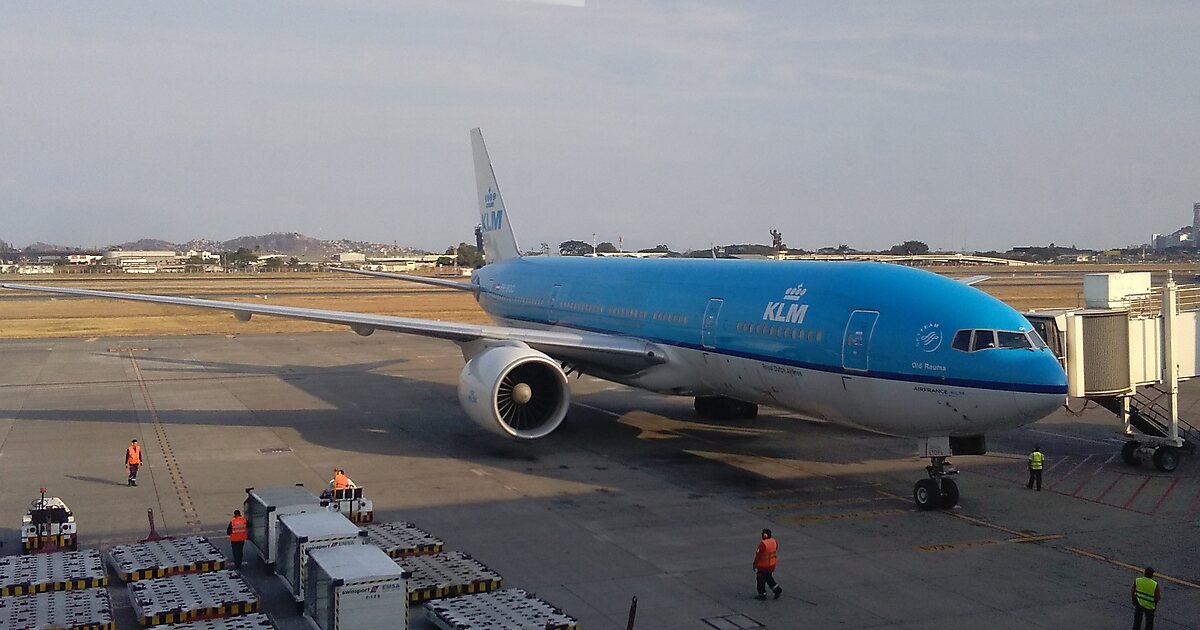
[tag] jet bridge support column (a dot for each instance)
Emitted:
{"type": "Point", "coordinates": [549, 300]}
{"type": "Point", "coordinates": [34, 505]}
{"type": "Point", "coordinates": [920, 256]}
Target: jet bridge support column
{"type": "Point", "coordinates": [1171, 366]}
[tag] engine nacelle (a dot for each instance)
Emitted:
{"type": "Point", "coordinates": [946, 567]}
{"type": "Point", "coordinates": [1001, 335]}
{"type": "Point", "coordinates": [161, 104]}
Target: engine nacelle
{"type": "Point", "coordinates": [514, 391]}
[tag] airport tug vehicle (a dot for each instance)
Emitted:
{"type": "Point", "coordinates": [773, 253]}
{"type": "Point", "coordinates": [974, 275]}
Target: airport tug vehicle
{"type": "Point", "coordinates": [48, 525]}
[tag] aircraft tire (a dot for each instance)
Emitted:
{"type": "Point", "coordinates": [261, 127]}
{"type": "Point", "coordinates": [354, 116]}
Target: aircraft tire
{"type": "Point", "coordinates": [706, 406]}
{"type": "Point", "coordinates": [949, 494]}
{"type": "Point", "coordinates": [1166, 458]}
{"type": "Point", "coordinates": [927, 495]}
{"type": "Point", "coordinates": [1127, 453]}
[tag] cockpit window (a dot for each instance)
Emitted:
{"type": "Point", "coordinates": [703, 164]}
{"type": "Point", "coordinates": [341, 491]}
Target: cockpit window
{"type": "Point", "coordinates": [1035, 336]}
{"type": "Point", "coordinates": [1009, 339]}
{"type": "Point", "coordinates": [962, 341]}
{"type": "Point", "coordinates": [983, 340]}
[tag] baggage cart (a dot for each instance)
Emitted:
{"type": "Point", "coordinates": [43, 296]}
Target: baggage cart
{"type": "Point", "coordinates": [169, 556]}
{"type": "Point", "coordinates": [191, 597]}
{"type": "Point", "coordinates": [402, 539]}
{"type": "Point", "coordinates": [447, 574]}
{"type": "Point", "coordinates": [60, 571]}
{"type": "Point", "coordinates": [88, 609]}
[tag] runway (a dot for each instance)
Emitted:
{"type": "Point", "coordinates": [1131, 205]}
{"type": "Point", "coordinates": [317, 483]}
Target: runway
{"type": "Point", "coordinates": [633, 496]}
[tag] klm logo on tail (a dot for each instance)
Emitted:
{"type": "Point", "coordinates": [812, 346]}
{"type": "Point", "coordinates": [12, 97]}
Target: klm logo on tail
{"type": "Point", "coordinates": [493, 220]}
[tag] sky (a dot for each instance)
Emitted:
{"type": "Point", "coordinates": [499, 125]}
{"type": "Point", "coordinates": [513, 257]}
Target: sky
{"type": "Point", "coordinates": [966, 125]}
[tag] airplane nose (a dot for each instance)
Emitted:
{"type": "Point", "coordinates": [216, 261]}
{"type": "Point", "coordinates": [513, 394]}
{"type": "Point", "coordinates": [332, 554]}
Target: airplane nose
{"type": "Point", "coordinates": [1047, 386]}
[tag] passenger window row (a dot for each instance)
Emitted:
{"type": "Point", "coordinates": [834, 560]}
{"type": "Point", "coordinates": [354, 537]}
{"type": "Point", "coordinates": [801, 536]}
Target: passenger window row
{"type": "Point", "coordinates": [626, 312]}
{"type": "Point", "coordinates": [582, 307]}
{"type": "Point", "coordinates": [670, 318]}
{"type": "Point", "coordinates": [973, 340]}
{"type": "Point", "coordinates": [787, 332]}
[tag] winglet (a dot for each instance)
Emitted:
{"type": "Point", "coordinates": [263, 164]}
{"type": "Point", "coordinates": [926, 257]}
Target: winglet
{"type": "Point", "coordinates": [499, 243]}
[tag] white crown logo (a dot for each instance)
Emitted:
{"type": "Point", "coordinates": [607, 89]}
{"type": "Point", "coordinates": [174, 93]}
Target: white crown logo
{"type": "Point", "coordinates": [795, 293]}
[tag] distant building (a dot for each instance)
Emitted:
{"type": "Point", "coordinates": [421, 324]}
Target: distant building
{"type": "Point", "coordinates": [401, 264]}
{"type": "Point", "coordinates": [1183, 237]}
{"type": "Point", "coordinates": [350, 257]}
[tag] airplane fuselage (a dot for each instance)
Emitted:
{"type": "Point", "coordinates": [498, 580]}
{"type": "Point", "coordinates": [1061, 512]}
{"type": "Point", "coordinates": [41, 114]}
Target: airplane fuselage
{"type": "Point", "coordinates": [864, 344]}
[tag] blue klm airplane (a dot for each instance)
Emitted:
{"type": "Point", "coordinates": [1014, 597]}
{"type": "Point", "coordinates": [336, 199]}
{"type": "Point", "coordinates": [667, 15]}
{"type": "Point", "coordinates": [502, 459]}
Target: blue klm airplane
{"type": "Point", "coordinates": [881, 347]}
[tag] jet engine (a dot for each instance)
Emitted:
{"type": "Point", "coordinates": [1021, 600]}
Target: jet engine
{"type": "Point", "coordinates": [514, 390]}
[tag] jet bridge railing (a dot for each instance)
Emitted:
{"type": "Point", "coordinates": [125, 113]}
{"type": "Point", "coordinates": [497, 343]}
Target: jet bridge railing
{"type": "Point", "coordinates": [1150, 304]}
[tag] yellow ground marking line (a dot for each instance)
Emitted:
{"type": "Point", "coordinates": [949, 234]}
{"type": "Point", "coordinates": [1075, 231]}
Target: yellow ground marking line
{"type": "Point", "coordinates": [800, 505]}
{"type": "Point", "coordinates": [840, 516]}
{"type": "Point", "coordinates": [1125, 565]}
{"type": "Point", "coordinates": [988, 541]}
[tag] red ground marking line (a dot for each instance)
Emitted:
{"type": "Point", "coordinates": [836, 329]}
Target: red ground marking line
{"type": "Point", "coordinates": [1064, 477]}
{"type": "Point", "coordinates": [1136, 493]}
{"type": "Point", "coordinates": [1166, 494]}
{"type": "Point", "coordinates": [1056, 464]}
{"type": "Point", "coordinates": [1100, 498]}
{"type": "Point", "coordinates": [1087, 480]}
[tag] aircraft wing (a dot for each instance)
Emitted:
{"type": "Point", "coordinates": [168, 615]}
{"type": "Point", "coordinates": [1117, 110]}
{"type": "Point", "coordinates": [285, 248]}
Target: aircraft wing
{"type": "Point", "coordinates": [973, 280]}
{"type": "Point", "coordinates": [437, 282]}
{"type": "Point", "coordinates": [608, 352]}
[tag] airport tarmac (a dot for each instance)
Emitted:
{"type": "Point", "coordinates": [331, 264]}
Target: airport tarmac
{"type": "Point", "coordinates": [632, 496]}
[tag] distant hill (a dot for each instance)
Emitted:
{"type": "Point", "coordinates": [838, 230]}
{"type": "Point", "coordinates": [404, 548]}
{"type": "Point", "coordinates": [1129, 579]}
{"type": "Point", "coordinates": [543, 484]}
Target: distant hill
{"type": "Point", "coordinates": [149, 244]}
{"type": "Point", "coordinates": [289, 243]}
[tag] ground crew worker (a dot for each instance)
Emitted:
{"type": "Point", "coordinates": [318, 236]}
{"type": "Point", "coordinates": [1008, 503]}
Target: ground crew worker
{"type": "Point", "coordinates": [1145, 599]}
{"type": "Point", "coordinates": [765, 560]}
{"type": "Point", "coordinates": [237, 530]}
{"type": "Point", "coordinates": [133, 459]}
{"type": "Point", "coordinates": [1036, 462]}
{"type": "Point", "coordinates": [340, 481]}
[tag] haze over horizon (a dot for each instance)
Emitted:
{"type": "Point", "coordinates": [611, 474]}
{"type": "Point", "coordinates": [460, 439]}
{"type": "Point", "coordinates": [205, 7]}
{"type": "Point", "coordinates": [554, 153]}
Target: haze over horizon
{"type": "Point", "coordinates": [970, 126]}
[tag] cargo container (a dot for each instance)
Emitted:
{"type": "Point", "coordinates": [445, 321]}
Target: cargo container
{"type": "Point", "coordinates": [300, 533]}
{"type": "Point", "coordinates": [355, 587]}
{"type": "Point", "coordinates": [262, 510]}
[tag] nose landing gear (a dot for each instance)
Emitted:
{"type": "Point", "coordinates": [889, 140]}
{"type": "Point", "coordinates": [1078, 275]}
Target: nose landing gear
{"type": "Point", "coordinates": [939, 490]}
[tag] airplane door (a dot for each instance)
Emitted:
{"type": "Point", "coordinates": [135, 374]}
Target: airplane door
{"type": "Point", "coordinates": [708, 328]}
{"type": "Point", "coordinates": [856, 343]}
{"type": "Point", "coordinates": [552, 314]}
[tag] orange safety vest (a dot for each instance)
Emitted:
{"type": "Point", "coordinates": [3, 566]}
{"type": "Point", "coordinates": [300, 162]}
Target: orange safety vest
{"type": "Point", "coordinates": [237, 529]}
{"type": "Point", "coordinates": [133, 454]}
{"type": "Point", "coordinates": [340, 482]}
{"type": "Point", "coordinates": [765, 559]}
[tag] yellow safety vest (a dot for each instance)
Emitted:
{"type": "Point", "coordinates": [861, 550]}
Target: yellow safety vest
{"type": "Point", "coordinates": [1035, 460]}
{"type": "Point", "coordinates": [1145, 588]}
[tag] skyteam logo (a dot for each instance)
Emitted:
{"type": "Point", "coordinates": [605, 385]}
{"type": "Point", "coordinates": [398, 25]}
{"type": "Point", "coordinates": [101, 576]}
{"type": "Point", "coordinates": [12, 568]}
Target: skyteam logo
{"type": "Point", "coordinates": [788, 310]}
{"type": "Point", "coordinates": [489, 199]}
{"type": "Point", "coordinates": [929, 337]}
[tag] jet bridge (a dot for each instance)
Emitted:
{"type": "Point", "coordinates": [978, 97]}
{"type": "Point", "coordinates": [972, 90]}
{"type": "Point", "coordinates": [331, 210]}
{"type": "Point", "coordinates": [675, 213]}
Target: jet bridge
{"type": "Point", "coordinates": [1128, 349]}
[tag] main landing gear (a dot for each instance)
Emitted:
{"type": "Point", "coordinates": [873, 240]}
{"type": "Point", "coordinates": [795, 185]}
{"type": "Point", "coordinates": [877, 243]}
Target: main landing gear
{"type": "Point", "coordinates": [939, 490]}
{"type": "Point", "coordinates": [722, 408]}
{"type": "Point", "coordinates": [1162, 456]}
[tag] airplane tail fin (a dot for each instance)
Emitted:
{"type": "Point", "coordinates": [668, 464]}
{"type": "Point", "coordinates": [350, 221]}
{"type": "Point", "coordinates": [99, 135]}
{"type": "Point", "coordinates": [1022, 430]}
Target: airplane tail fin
{"type": "Point", "coordinates": [499, 243]}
